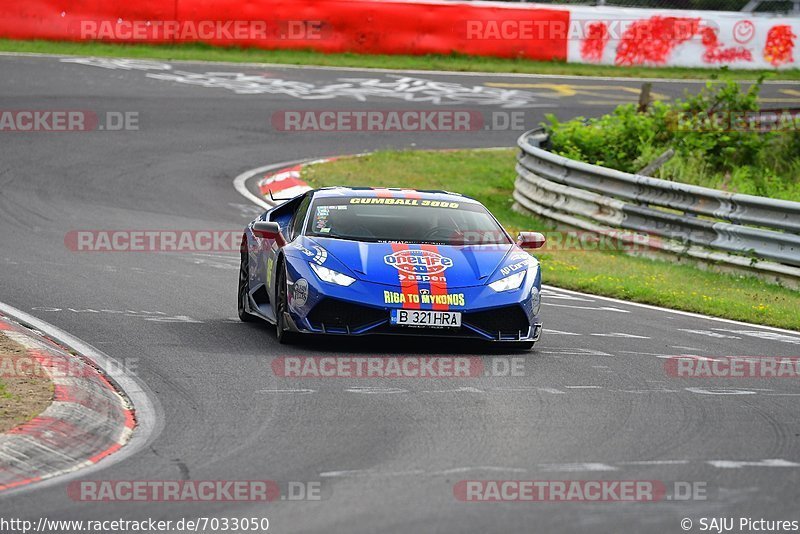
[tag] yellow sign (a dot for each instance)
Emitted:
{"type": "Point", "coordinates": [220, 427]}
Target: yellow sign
{"type": "Point", "coordinates": [394, 297]}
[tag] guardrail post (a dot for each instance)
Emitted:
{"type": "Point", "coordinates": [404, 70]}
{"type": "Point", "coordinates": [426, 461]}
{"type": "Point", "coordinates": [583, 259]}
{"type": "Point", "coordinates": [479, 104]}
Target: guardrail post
{"type": "Point", "coordinates": [644, 97]}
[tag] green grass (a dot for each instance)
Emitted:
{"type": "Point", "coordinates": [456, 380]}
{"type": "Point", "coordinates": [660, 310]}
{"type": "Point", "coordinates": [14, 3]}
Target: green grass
{"type": "Point", "coordinates": [430, 62]}
{"type": "Point", "coordinates": [489, 177]}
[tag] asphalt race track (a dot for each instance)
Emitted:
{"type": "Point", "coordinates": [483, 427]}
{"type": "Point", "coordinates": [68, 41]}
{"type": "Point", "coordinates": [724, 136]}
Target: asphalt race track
{"type": "Point", "coordinates": [594, 401]}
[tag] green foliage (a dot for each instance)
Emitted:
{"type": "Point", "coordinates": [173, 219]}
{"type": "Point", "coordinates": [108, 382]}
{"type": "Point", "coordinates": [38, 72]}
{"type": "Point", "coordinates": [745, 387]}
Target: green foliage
{"type": "Point", "coordinates": [723, 154]}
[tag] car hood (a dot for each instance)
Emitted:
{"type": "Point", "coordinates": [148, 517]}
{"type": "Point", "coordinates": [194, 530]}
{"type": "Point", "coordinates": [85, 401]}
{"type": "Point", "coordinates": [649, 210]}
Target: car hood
{"type": "Point", "coordinates": [391, 263]}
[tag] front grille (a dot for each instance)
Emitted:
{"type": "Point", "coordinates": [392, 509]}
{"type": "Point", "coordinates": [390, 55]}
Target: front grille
{"type": "Point", "coordinates": [508, 321]}
{"type": "Point", "coordinates": [336, 314]}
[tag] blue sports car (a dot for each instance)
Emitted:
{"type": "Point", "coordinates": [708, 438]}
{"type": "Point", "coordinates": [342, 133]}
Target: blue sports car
{"type": "Point", "coordinates": [358, 261]}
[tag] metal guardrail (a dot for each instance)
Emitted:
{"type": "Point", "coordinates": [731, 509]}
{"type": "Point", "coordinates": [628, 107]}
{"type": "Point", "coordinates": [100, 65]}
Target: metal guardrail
{"type": "Point", "coordinates": [706, 223]}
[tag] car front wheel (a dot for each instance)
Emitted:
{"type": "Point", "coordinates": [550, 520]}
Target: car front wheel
{"type": "Point", "coordinates": [242, 294]}
{"type": "Point", "coordinates": [285, 336]}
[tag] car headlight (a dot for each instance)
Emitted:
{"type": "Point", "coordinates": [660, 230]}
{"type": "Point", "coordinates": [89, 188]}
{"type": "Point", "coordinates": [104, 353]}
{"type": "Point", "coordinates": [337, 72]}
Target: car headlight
{"type": "Point", "coordinates": [331, 276]}
{"type": "Point", "coordinates": [508, 283]}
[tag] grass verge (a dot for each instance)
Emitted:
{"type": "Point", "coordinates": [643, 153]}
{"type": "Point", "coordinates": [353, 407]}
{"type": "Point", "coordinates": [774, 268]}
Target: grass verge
{"type": "Point", "coordinates": [488, 175]}
{"type": "Point", "coordinates": [24, 392]}
{"type": "Point", "coordinates": [455, 62]}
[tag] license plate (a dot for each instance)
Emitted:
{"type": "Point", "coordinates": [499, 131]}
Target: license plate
{"type": "Point", "coordinates": [435, 319]}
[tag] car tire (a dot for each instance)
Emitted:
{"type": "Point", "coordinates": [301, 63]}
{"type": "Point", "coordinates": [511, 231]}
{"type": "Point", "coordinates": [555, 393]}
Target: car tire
{"type": "Point", "coordinates": [285, 337]}
{"type": "Point", "coordinates": [244, 279]}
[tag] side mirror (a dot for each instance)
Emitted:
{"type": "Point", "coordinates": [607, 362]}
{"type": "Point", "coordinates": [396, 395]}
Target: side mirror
{"type": "Point", "coordinates": [267, 230]}
{"type": "Point", "coordinates": [531, 240]}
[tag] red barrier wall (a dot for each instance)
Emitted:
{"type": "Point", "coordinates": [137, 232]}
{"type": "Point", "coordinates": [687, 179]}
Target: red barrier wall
{"type": "Point", "coordinates": [62, 19]}
{"type": "Point", "coordinates": [363, 26]}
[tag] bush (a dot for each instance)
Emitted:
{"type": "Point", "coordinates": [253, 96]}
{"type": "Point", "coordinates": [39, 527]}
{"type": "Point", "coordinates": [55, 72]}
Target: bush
{"type": "Point", "coordinates": [707, 152]}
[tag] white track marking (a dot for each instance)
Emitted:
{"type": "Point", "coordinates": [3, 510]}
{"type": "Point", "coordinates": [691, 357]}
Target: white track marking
{"type": "Point", "coordinates": [402, 88]}
{"type": "Point", "coordinates": [708, 333]}
{"type": "Point", "coordinates": [480, 468]}
{"type": "Point", "coordinates": [602, 308]}
{"type": "Point", "coordinates": [416, 472]}
{"type": "Point", "coordinates": [368, 390]}
{"type": "Point", "coordinates": [346, 473]}
{"type": "Point", "coordinates": [287, 391]}
{"type": "Point", "coordinates": [153, 316]}
{"type": "Point", "coordinates": [657, 462]}
{"type": "Point", "coordinates": [552, 391]}
{"type": "Point", "coordinates": [526, 389]}
{"type": "Point", "coordinates": [551, 332]}
{"type": "Point", "coordinates": [648, 391]}
{"type": "Point", "coordinates": [577, 467]}
{"type": "Point", "coordinates": [221, 265]}
{"type": "Point", "coordinates": [465, 389]}
{"type": "Point", "coordinates": [722, 391]}
{"type": "Point", "coordinates": [676, 312]}
{"type": "Point", "coordinates": [559, 296]}
{"type": "Point", "coordinates": [728, 464]}
{"type": "Point", "coordinates": [770, 336]}
{"type": "Point", "coordinates": [665, 356]}
{"type": "Point", "coordinates": [220, 255]}
{"type": "Point", "coordinates": [570, 351]}
{"type": "Point", "coordinates": [712, 391]}
{"type": "Point", "coordinates": [620, 335]}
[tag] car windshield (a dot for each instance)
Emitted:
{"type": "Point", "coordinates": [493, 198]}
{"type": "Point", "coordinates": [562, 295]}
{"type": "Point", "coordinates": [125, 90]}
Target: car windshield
{"type": "Point", "coordinates": [404, 220]}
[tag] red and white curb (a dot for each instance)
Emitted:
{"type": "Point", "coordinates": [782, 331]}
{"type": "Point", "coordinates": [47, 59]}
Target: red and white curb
{"type": "Point", "coordinates": [88, 419]}
{"type": "Point", "coordinates": [285, 183]}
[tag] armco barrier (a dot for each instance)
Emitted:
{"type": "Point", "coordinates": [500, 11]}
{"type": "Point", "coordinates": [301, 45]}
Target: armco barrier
{"type": "Point", "coordinates": [740, 230]}
{"type": "Point", "coordinates": [576, 34]}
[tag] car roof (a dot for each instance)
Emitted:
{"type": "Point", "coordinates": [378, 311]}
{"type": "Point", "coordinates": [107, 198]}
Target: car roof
{"type": "Point", "coordinates": [391, 192]}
